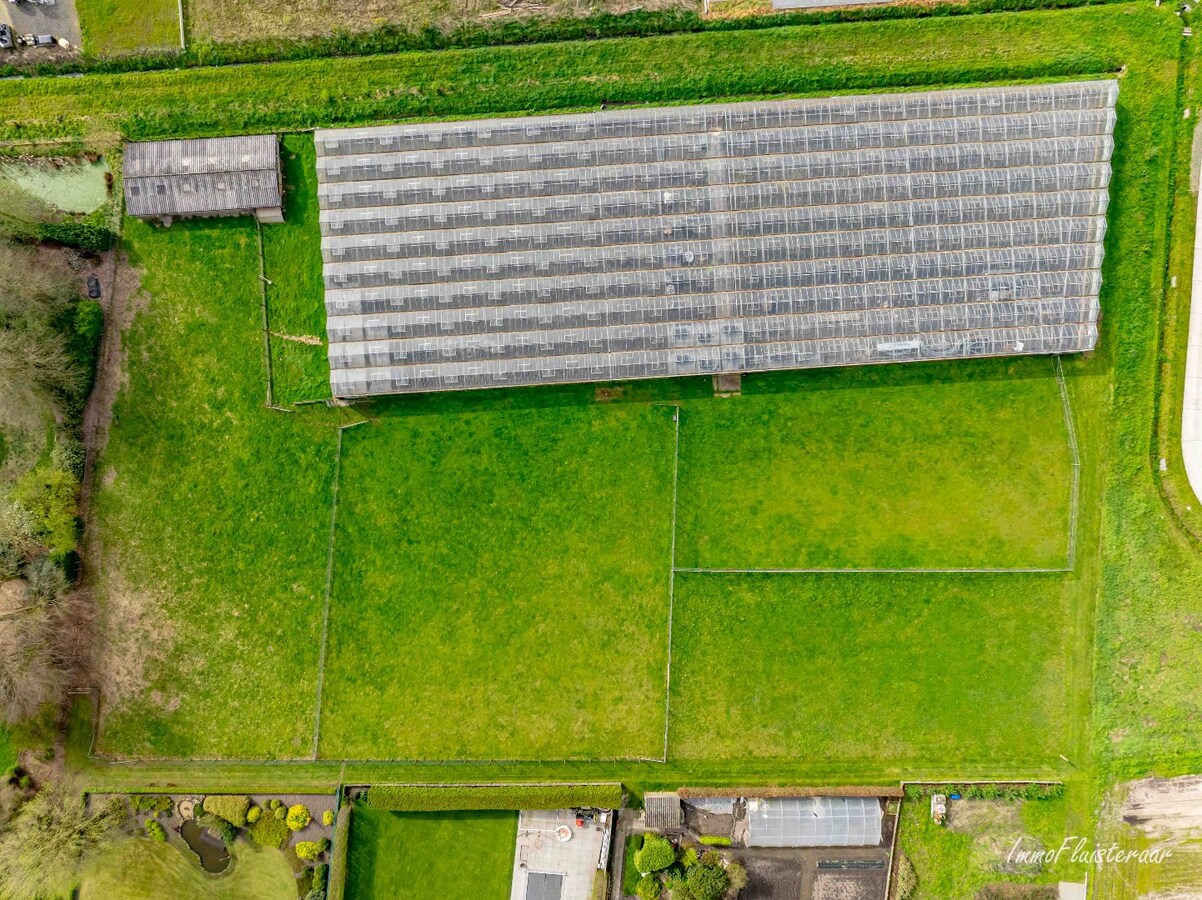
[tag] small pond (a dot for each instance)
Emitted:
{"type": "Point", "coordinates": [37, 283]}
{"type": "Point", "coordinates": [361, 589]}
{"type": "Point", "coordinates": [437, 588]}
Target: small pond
{"type": "Point", "coordinates": [214, 858]}
{"type": "Point", "coordinates": [75, 187]}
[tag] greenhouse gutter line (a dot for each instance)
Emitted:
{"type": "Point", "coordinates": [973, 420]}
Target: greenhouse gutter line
{"type": "Point", "coordinates": [1191, 407]}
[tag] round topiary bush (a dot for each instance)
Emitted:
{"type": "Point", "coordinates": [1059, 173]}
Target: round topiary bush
{"type": "Point", "coordinates": [274, 803]}
{"type": "Point", "coordinates": [253, 815]}
{"type": "Point", "coordinates": [309, 850]}
{"type": "Point", "coordinates": [154, 830]}
{"type": "Point", "coordinates": [280, 813]}
{"type": "Point", "coordinates": [657, 854]}
{"type": "Point", "coordinates": [327, 818]}
{"type": "Point", "coordinates": [649, 888]}
{"type": "Point", "coordinates": [298, 817]}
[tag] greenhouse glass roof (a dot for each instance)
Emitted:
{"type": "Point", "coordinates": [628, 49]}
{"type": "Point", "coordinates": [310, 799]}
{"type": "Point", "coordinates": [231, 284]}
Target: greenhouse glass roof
{"type": "Point", "coordinates": [696, 240]}
{"type": "Point", "coordinates": [814, 822]}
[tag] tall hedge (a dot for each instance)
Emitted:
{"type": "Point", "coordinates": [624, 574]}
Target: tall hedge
{"type": "Point", "coordinates": [336, 887]}
{"type": "Point", "coordinates": [231, 808]}
{"type": "Point", "coordinates": [438, 798]}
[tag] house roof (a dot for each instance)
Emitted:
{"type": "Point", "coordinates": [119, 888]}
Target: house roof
{"type": "Point", "coordinates": [208, 175]}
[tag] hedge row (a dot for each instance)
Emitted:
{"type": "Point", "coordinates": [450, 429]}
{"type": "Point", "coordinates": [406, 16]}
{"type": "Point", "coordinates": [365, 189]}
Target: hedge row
{"type": "Point", "coordinates": [396, 39]}
{"type": "Point", "coordinates": [336, 888]}
{"type": "Point", "coordinates": [439, 798]}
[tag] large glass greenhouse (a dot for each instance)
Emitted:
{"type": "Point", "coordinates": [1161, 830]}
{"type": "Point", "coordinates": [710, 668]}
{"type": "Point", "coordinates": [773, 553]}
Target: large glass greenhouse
{"type": "Point", "coordinates": [729, 238]}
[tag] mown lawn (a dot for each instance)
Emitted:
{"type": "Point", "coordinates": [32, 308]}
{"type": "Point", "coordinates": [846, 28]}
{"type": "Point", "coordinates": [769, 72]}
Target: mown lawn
{"type": "Point", "coordinates": [511, 566]}
{"type": "Point", "coordinates": [962, 465]}
{"type": "Point", "coordinates": [8, 753]}
{"type": "Point", "coordinates": [115, 27]}
{"type": "Point", "coordinates": [296, 296]}
{"type": "Point", "coordinates": [430, 856]}
{"type": "Point", "coordinates": [898, 667]}
{"type": "Point", "coordinates": [213, 517]}
{"type": "Point", "coordinates": [142, 869]}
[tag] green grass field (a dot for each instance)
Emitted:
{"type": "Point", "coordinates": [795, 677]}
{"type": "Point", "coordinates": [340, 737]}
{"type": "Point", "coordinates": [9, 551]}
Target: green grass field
{"type": "Point", "coordinates": [215, 517]}
{"type": "Point", "coordinates": [8, 753]}
{"type": "Point", "coordinates": [430, 856]}
{"type": "Point", "coordinates": [114, 27]}
{"type": "Point", "coordinates": [141, 869]}
{"type": "Point", "coordinates": [898, 667]}
{"type": "Point", "coordinates": [512, 566]}
{"type": "Point", "coordinates": [296, 295]}
{"type": "Point", "coordinates": [221, 548]}
{"type": "Point", "coordinates": [933, 466]}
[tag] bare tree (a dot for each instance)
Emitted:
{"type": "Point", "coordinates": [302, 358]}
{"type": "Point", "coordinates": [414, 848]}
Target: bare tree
{"type": "Point", "coordinates": [30, 675]}
{"type": "Point", "coordinates": [52, 838]}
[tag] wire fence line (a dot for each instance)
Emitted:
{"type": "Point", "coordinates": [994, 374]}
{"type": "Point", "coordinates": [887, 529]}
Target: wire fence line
{"type": "Point", "coordinates": [671, 579]}
{"type": "Point", "coordinates": [1075, 451]}
{"type": "Point", "coordinates": [325, 612]}
{"type": "Point", "coordinates": [967, 570]}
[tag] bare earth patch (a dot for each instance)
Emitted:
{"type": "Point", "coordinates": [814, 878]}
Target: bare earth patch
{"type": "Point", "coordinates": [995, 827]}
{"type": "Point", "coordinates": [1166, 807]}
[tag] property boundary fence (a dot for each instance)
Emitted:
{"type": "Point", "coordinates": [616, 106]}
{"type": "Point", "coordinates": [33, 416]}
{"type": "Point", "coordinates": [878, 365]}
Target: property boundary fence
{"type": "Point", "coordinates": [1075, 451]}
{"type": "Point", "coordinates": [263, 282]}
{"type": "Point", "coordinates": [676, 413]}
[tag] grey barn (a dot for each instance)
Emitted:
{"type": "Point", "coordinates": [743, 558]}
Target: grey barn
{"type": "Point", "coordinates": [707, 240]}
{"type": "Point", "coordinates": [228, 176]}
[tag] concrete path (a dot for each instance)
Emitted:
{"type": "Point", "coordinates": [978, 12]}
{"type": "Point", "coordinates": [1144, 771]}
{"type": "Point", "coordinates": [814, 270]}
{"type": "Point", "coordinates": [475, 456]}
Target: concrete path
{"type": "Point", "coordinates": [1191, 414]}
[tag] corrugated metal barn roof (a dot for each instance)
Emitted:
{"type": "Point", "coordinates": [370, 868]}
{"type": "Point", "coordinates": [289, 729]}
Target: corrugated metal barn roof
{"type": "Point", "coordinates": [209, 175]}
{"type": "Point", "coordinates": [724, 238]}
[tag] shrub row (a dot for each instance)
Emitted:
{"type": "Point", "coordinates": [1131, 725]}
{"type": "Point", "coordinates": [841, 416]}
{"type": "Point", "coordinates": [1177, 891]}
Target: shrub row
{"type": "Point", "coordinates": [1015, 791]}
{"type": "Point", "coordinates": [84, 236]}
{"type": "Point", "coordinates": [432, 798]}
{"type": "Point", "coordinates": [397, 39]}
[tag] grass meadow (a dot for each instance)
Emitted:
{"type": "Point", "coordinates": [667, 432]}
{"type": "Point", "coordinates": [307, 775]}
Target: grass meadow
{"type": "Point", "coordinates": [116, 27]}
{"type": "Point", "coordinates": [512, 566]}
{"type": "Point", "coordinates": [213, 513]}
{"type": "Point", "coordinates": [931, 466]}
{"type": "Point", "coordinates": [430, 856]}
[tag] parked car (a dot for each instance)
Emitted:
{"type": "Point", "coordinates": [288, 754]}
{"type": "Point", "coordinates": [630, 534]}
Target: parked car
{"type": "Point", "coordinates": [6, 36]}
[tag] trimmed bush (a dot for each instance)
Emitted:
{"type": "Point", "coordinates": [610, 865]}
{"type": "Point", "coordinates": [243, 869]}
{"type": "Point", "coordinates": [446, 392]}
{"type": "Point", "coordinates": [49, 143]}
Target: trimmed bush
{"type": "Point", "coordinates": [298, 817]}
{"type": "Point", "coordinates": [442, 798]}
{"type": "Point", "coordinates": [657, 854]}
{"type": "Point", "coordinates": [649, 888]}
{"type": "Point", "coordinates": [707, 882]}
{"type": "Point", "coordinates": [714, 840]}
{"type": "Point", "coordinates": [689, 857]}
{"type": "Point", "coordinates": [229, 807]}
{"type": "Point", "coordinates": [270, 832]}
{"type": "Point", "coordinates": [327, 818]}
{"type": "Point", "coordinates": [154, 830]}
{"type": "Point", "coordinates": [87, 237]}
{"type": "Point", "coordinates": [274, 803]}
{"type": "Point", "coordinates": [310, 850]}
{"type": "Point", "coordinates": [253, 815]}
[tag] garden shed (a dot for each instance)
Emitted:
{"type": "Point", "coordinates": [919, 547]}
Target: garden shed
{"type": "Point", "coordinates": [663, 812]}
{"type": "Point", "coordinates": [227, 176]}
